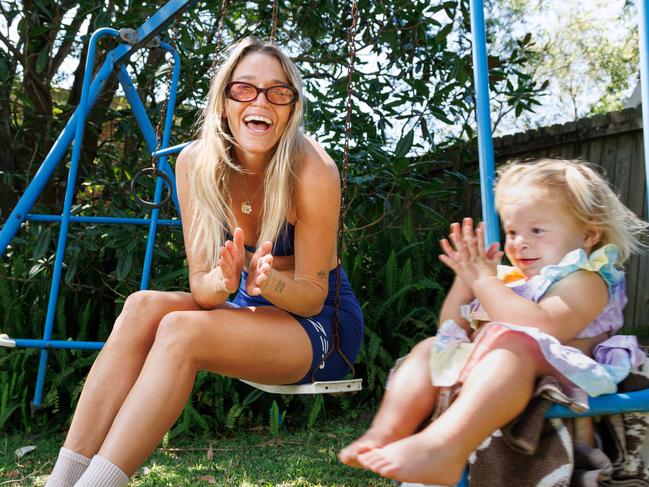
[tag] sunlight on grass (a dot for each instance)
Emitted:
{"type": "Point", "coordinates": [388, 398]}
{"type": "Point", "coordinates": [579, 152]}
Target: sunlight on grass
{"type": "Point", "coordinates": [300, 458]}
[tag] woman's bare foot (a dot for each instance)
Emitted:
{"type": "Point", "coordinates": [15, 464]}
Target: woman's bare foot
{"type": "Point", "coordinates": [417, 458]}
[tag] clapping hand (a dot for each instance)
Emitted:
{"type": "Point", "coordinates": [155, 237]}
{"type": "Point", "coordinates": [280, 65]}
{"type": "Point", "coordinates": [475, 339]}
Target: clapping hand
{"type": "Point", "coordinates": [231, 259]}
{"type": "Point", "coordinates": [260, 270]}
{"type": "Point", "coordinates": [466, 253]}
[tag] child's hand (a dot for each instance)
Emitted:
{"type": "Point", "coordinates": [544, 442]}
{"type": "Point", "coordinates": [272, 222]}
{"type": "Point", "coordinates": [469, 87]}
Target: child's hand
{"type": "Point", "coordinates": [466, 254]}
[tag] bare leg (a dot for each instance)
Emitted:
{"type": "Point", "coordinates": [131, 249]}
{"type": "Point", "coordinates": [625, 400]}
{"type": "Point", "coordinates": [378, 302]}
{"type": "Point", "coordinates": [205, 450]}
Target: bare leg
{"type": "Point", "coordinates": [410, 389]}
{"type": "Point", "coordinates": [222, 341]}
{"type": "Point", "coordinates": [118, 365]}
{"type": "Point", "coordinates": [496, 391]}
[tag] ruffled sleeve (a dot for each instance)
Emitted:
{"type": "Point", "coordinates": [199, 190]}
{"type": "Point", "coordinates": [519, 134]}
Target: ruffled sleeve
{"type": "Point", "coordinates": [601, 261]}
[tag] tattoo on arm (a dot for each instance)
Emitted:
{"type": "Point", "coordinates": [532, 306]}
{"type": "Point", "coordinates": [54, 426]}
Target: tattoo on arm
{"type": "Point", "coordinates": [322, 274]}
{"type": "Point", "coordinates": [279, 287]}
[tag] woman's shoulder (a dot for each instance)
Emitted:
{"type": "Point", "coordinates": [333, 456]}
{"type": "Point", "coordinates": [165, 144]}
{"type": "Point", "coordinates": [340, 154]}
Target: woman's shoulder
{"type": "Point", "coordinates": [188, 155]}
{"type": "Point", "coordinates": [315, 164]}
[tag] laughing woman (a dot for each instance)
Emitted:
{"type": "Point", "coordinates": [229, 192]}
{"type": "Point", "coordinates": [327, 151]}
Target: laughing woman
{"type": "Point", "coordinates": [260, 205]}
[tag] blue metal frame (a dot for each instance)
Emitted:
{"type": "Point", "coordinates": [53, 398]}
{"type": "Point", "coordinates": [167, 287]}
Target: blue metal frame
{"type": "Point", "coordinates": [73, 133]}
{"type": "Point", "coordinates": [485, 142]}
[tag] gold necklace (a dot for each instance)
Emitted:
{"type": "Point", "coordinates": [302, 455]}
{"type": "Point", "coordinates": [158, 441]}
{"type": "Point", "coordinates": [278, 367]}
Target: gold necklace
{"type": "Point", "coordinates": [246, 205]}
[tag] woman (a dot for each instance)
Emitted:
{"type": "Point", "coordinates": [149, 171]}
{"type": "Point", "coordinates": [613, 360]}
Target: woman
{"type": "Point", "coordinates": [260, 205]}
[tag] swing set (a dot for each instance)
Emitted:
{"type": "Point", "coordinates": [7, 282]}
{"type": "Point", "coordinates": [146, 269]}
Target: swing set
{"type": "Point", "coordinates": [158, 143]}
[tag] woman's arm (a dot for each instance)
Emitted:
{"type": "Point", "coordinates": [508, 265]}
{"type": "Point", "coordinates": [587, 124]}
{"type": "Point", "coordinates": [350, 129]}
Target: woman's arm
{"type": "Point", "coordinates": [317, 201]}
{"type": "Point", "coordinates": [207, 285]}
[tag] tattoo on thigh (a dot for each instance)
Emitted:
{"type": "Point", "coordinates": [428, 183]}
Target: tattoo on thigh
{"type": "Point", "coordinates": [279, 287]}
{"type": "Point", "coordinates": [322, 274]}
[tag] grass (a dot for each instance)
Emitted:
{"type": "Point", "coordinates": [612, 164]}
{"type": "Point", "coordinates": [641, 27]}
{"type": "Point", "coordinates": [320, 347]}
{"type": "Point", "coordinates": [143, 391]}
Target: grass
{"type": "Point", "coordinates": [244, 458]}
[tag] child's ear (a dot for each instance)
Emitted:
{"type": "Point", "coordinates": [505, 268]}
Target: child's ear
{"type": "Point", "coordinates": [592, 236]}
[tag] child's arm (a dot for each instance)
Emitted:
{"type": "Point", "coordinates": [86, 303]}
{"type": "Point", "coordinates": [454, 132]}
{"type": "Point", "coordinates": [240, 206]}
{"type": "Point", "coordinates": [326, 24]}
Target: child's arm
{"type": "Point", "coordinates": [566, 309]}
{"type": "Point", "coordinates": [460, 293]}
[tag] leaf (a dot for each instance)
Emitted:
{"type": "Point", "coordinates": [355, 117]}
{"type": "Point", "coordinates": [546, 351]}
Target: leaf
{"type": "Point", "coordinates": [124, 265]}
{"type": "Point", "coordinates": [43, 243]}
{"type": "Point", "coordinates": [207, 478]}
{"type": "Point", "coordinates": [24, 450]}
{"type": "Point", "coordinates": [404, 145]}
{"type": "Point", "coordinates": [42, 61]}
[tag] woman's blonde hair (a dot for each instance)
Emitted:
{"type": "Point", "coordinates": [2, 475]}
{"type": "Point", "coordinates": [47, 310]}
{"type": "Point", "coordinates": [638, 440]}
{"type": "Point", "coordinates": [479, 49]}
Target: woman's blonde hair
{"type": "Point", "coordinates": [211, 174]}
{"type": "Point", "coordinates": [587, 196]}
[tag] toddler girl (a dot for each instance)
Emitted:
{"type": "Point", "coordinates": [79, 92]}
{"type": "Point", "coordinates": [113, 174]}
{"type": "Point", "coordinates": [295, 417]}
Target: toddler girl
{"type": "Point", "coordinates": [567, 236]}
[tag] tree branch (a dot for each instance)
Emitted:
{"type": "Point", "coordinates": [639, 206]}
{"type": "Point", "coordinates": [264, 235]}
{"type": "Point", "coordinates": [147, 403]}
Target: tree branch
{"type": "Point", "coordinates": [68, 40]}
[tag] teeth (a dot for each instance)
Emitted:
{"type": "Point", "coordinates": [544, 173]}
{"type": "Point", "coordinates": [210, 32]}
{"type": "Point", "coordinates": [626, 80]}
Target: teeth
{"type": "Point", "coordinates": [258, 118]}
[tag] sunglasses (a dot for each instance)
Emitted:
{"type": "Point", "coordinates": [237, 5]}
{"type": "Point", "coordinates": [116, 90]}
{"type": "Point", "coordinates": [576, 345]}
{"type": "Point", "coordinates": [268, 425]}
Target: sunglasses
{"type": "Point", "coordinates": [277, 95]}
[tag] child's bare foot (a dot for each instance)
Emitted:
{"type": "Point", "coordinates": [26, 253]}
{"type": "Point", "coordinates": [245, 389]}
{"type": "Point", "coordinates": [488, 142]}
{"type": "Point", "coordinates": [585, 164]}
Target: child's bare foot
{"type": "Point", "coordinates": [415, 459]}
{"type": "Point", "coordinates": [373, 438]}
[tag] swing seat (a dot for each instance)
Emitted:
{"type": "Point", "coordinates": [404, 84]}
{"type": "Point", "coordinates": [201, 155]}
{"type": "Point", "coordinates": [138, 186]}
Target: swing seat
{"type": "Point", "coordinates": [6, 341]}
{"type": "Point", "coordinates": [324, 387]}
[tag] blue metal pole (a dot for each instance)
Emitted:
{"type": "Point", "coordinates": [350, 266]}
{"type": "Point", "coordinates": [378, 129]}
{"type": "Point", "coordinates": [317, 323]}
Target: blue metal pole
{"type": "Point", "coordinates": [67, 205]}
{"type": "Point", "coordinates": [42, 176]}
{"type": "Point", "coordinates": [643, 14]}
{"type": "Point", "coordinates": [101, 220]}
{"type": "Point", "coordinates": [145, 32]}
{"type": "Point", "coordinates": [148, 132]}
{"type": "Point", "coordinates": [163, 165]}
{"type": "Point", "coordinates": [485, 142]}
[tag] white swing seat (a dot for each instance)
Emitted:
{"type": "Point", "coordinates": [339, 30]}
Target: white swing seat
{"type": "Point", "coordinates": [327, 387]}
{"type": "Point", "coordinates": [6, 341]}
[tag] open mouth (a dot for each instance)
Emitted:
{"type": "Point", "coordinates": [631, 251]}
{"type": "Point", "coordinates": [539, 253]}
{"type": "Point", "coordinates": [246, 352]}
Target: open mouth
{"type": "Point", "coordinates": [258, 123]}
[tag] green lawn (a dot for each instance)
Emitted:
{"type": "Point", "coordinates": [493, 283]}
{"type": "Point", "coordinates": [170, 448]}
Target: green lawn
{"type": "Point", "coordinates": [246, 458]}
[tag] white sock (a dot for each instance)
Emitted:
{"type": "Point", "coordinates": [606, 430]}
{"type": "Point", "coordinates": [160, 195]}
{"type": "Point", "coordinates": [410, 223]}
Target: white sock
{"type": "Point", "coordinates": [68, 469]}
{"type": "Point", "coordinates": [102, 473]}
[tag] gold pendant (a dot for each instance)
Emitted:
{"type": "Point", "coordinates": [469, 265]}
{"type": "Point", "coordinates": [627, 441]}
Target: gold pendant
{"type": "Point", "coordinates": [246, 207]}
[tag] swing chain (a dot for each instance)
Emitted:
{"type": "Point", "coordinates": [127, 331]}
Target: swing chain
{"type": "Point", "coordinates": [351, 40]}
{"type": "Point", "coordinates": [219, 38]}
{"type": "Point", "coordinates": [273, 30]}
{"type": "Point", "coordinates": [153, 170]}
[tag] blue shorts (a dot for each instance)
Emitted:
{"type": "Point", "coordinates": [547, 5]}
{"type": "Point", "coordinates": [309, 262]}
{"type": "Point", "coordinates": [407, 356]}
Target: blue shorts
{"type": "Point", "coordinates": [320, 327]}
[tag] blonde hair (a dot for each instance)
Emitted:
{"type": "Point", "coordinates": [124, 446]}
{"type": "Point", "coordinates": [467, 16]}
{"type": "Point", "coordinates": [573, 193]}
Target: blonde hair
{"type": "Point", "coordinates": [587, 196]}
{"type": "Point", "coordinates": [211, 175]}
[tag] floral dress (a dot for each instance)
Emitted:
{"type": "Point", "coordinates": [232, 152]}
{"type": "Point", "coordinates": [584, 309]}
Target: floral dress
{"type": "Point", "coordinates": [612, 359]}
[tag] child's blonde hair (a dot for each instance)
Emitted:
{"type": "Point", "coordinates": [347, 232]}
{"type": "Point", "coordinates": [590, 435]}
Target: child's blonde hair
{"type": "Point", "coordinates": [587, 196]}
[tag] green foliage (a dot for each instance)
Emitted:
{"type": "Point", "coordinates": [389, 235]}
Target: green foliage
{"type": "Point", "coordinates": [412, 88]}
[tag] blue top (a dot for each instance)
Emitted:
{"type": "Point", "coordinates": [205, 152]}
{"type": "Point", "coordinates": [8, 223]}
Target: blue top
{"type": "Point", "coordinates": [284, 244]}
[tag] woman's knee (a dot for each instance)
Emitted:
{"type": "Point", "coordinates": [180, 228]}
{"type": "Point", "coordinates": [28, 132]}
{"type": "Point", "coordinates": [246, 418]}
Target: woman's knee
{"type": "Point", "coordinates": [176, 337]}
{"type": "Point", "coordinates": [139, 317]}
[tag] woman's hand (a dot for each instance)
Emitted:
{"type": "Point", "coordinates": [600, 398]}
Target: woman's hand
{"type": "Point", "coordinates": [466, 254]}
{"type": "Point", "coordinates": [260, 270]}
{"type": "Point", "coordinates": [231, 258]}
